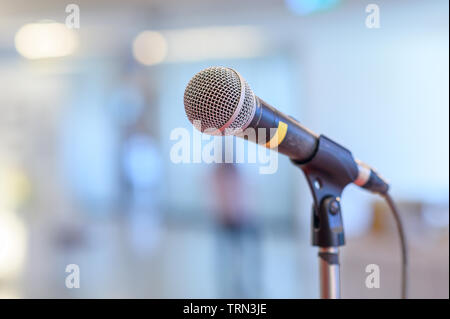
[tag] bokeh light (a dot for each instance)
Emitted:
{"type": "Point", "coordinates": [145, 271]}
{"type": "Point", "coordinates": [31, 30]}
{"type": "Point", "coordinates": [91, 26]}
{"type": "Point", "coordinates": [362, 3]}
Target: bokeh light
{"type": "Point", "coordinates": [149, 47]}
{"type": "Point", "coordinates": [45, 40]}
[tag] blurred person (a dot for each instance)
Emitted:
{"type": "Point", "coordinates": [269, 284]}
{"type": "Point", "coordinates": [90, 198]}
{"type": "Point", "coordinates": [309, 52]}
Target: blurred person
{"type": "Point", "coordinates": [140, 162]}
{"type": "Point", "coordinates": [238, 254]}
{"type": "Point", "coordinates": [142, 170]}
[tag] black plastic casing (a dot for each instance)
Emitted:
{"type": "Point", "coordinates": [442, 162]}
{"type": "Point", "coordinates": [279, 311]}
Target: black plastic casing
{"type": "Point", "coordinates": [299, 143]}
{"type": "Point", "coordinates": [330, 170]}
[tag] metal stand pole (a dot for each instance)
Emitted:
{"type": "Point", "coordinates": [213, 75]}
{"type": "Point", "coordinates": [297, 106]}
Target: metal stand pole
{"type": "Point", "coordinates": [330, 284]}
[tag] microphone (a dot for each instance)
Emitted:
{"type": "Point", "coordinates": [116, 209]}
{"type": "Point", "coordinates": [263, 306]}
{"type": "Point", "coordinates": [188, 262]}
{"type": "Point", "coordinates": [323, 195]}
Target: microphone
{"type": "Point", "coordinates": [222, 102]}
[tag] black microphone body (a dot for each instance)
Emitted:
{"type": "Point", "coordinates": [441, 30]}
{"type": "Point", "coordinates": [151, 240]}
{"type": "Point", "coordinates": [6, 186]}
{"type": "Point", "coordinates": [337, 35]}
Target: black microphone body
{"type": "Point", "coordinates": [298, 142]}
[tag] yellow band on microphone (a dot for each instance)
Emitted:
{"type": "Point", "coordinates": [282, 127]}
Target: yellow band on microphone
{"type": "Point", "coordinates": [279, 135]}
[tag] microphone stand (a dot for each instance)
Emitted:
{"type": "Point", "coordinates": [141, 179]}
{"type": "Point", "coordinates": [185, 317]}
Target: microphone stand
{"type": "Point", "coordinates": [331, 168]}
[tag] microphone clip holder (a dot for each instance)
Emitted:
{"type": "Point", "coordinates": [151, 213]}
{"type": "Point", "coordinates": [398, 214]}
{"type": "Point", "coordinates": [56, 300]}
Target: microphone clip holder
{"type": "Point", "coordinates": [328, 172]}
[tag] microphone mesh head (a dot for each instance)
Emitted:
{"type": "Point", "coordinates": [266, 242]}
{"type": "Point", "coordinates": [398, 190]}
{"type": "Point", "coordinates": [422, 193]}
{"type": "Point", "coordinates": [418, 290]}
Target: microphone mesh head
{"type": "Point", "coordinates": [219, 98]}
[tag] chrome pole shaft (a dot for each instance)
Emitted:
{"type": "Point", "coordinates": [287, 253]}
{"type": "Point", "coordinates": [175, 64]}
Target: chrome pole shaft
{"type": "Point", "coordinates": [330, 285]}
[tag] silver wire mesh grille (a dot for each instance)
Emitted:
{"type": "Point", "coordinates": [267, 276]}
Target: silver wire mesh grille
{"type": "Point", "coordinates": [212, 97]}
{"type": "Point", "coordinates": [247, 109]}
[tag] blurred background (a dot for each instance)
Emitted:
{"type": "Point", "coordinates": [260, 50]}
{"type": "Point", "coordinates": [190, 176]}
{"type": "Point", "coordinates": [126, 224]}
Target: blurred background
{"type": "Point", "coordinates": [86, 116]}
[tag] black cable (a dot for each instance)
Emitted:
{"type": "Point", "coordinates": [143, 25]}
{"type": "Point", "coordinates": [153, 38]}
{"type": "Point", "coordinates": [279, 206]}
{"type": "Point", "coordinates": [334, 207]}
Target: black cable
{"type": "Point", "coordinates": [401, 232]}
